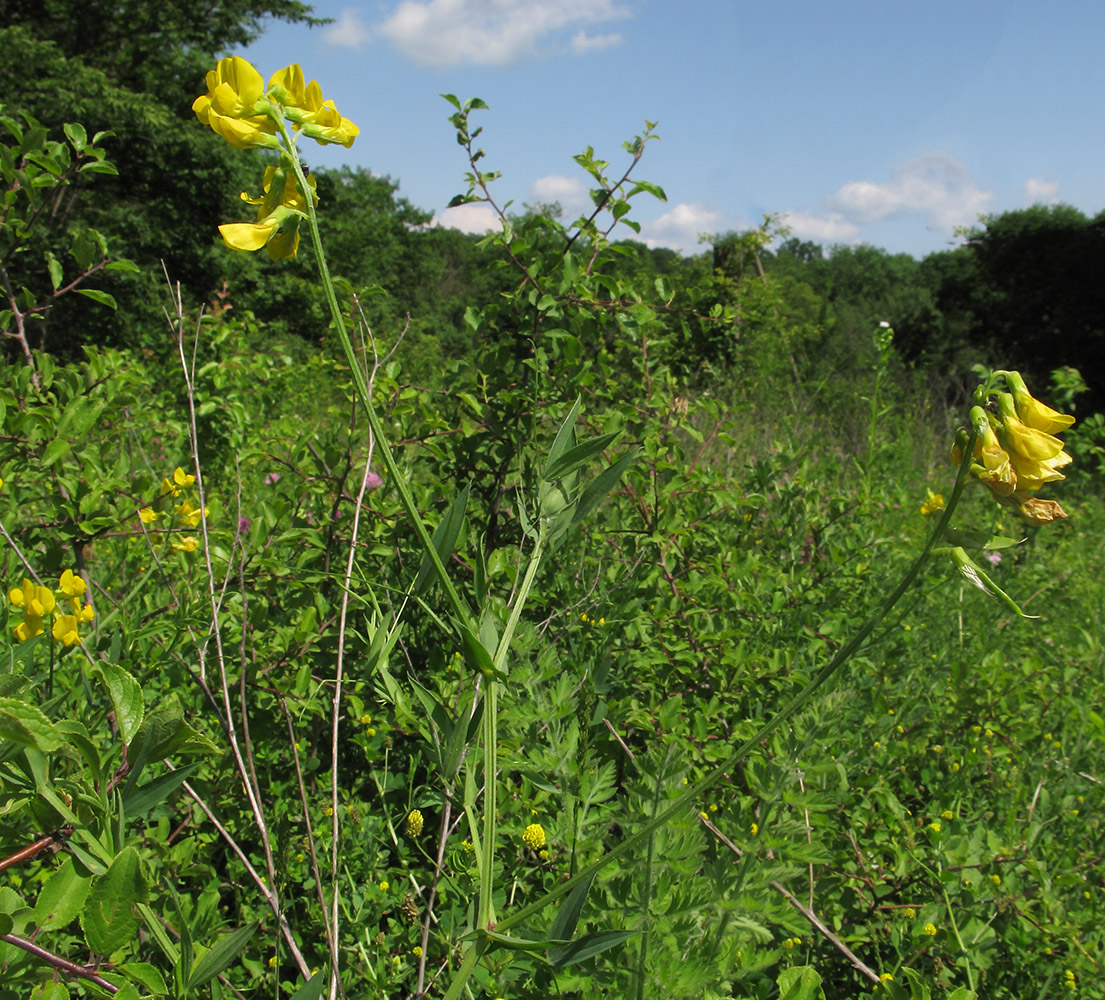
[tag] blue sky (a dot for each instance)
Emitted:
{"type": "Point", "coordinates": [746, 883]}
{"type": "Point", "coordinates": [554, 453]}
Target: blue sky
{"type": "Point", "coordinates": [878, 121]}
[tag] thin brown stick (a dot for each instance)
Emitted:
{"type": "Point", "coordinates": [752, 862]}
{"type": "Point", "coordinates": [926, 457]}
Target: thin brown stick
{"type": "Point", "coordinates": [806, 912]}
{"type": "Point", "coordinates": [62, 964]}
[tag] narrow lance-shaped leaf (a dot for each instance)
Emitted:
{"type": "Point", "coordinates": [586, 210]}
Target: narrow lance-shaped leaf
{"type": "Point", "coordinates": [565, 438]}
{"type": "Point", "coordinates": [444, 539]}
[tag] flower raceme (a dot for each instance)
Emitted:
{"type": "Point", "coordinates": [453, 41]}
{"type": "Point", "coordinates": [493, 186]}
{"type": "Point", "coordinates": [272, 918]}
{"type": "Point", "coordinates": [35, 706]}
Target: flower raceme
{"type": "Point", "coordinates": [1016, 450]}
{"type": "Point", "coordinates": [63, 606]}
{"type": "Point", "coordinates": [243, 111]}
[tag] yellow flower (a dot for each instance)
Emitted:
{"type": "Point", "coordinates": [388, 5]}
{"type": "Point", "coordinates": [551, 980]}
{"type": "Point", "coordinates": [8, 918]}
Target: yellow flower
{"type": "Point", "coordinates": [533, 836]}
{"type": "Point", "coordinates": [995, 472]}
{"type": "Point", "coordinates": [885, 977]}
{"type": "Point", "coordinates": [384, 887]}
{"type": "Point", "coordinates": [414, 823]}
{"type": "Point", "coordinates": [189, 543]}
{"type": "Point", "coordinates": [1031, 411]}
{"type": "Point", "coordinates": [36, 603]}
{"type": "Point", "coordinates": [181, 481]}
{"type": "Point", "coordinates": [189, 513]}
{"type": "Point", "coordinates": [280, 208]}
{"type": "Point", "coordinates": [235, 106]}
{"type": "Point", "coordinates": [417, 951]}
{"type": "Point", "coordinates": [935, 827]}
{"type": "Point", "coordinates": [1025, 440]}
{"type": "Point", "coordinates": [909, 913]}
{"type": "Point", "coordinates": [930, 929]}
{"type": "Point", "coordinates": [933, 503]}
{"type": "Point", "coordinates": [305, 108]}
{"type": "Point", "coordinates": [147, 515]}
{"type": "Point", "coordinates": [65, 630]}
{"type": "Point", "coordinates": [71, 585]}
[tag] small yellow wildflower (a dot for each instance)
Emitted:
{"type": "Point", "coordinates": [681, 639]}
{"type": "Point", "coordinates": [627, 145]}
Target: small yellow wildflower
{"type": "Point", "coordinates": [181, 481]}
{"type": "Point", "coordinates": [543, 855]}
{"type": "Point", "coordinates": [533, 836]}
{"type": "Point", "coordinates": [65, 630]}
{"type": "Point", "coordinates": [147, 515]}
{"type": "Point", "coordinates": [384, 886]}
{"type": "Point", "coordinates": [189, 513]}
{"type": "Point", "coordinates": [36, 603]}
{"type": "Point", "coordinates": [365, 719]}
{"type": "Point", "coordinates": [930, 929]}
{"type": "Point", "coordinates": [416, 951]}
{"type": "Point", "coordinates": [414, 823]}
{"type": "Point", "coordinates": [909, 913]}
{"type": "Point", "coordinates": [885, 977]}
{"type": "Point", "coordinates": [754, 829]}
{"type": "Point", "coordinates": [273, 962]}
{"type": "Point", "coordinates": [189, 543]}
{"type": "Point", "coordinates": [935, 827]}
{"type": "Point", "coordinates": [328, 811]}
{"type": "Point", "coordinates": [933, 503]}
{"type": "Point", "coordinates": [947, 814]}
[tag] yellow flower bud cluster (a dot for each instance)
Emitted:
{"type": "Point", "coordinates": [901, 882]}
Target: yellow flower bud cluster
{"type": "Point", "coordinates": [243, 111]}
{"type": "Point", "coordinates": [1016, 450]}
{"type": "Point", "coordinates": [414, 823]}
{"type": "Point", "coordinates": [533, 836]}
{"type": "Point", "coordinates": [63, 607]}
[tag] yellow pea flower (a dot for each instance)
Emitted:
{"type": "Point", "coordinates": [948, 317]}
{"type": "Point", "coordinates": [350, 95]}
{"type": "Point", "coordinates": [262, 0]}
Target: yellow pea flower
{"type": "Point", "coordinates": [189, 543]}
{"type": "Point", "coordinates": [235, 106]}
{"type": "Point", "coordinates": [280, 208]}
{"type": "Point", "coordinates": [1021, 438]}
{"type": "Point", "coordinates": [36, 603]}
{"type": "Point", "coordinates": [65, 630]}
{"type": "Point", "coordinates": [189, 513]}
{"type": "Point", "coordinates": [147, 515]}
{"type": "Point", "coordinates": [305, 108]}
{"type": "Point", "coordinates": [1031, 411]}
{"type": "Point", "coordinates": [72, 585]}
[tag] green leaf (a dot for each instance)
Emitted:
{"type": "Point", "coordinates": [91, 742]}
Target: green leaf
{"type": "Point", "coordinates": [62, 897]}
{"type": "Point", "coordinates": [444, 539]}
{"type": "Point", "coordinates": [53, 265]}
{"type": "Point", "coordinates": [97, 296]}
{"type": "Point", "coordinates": [801, 982]}
{"type": "Point", "coordinates": [567, 917]}
{"type": "Point", "coordinates": [226, 950]}
{"type": "Point", "coordinates": [76, 135]}
{"type": "Point", "coordinates": [477, 657]}
{"type": "Point", "coordinates": [108, 918]}
{"type": "Point", "coordinates": [312, 989]}
{"type": "Point", "coordinates": [587, 947]}
{"type": "Point", "coordinates": [51, 991]}
{"type": "Point", "coordinates": [599, 488]}
{"type": "Point", "coordinates": [126, 697]}
{"type": "Point", "coordinates": [146, 974]}
{"type": "Point", "coordinates": [565, 438]}
{"type": "Point", "coordinates": [27, 725]}
{"type": "Point", "coordinates": [577, 457]}
{"type": "Point", "coordinates": [139, 801]}
{"type": "Point", "coordinates": [56, 449]}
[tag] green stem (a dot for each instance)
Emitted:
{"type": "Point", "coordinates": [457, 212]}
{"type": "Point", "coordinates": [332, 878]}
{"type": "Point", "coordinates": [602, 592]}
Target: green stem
{"type": "Point", "coordinates": [486, 918]}
{"type": "Point", "coordinates": [795, 705]}
{"type": "Point", "coordinates": [395, 474]}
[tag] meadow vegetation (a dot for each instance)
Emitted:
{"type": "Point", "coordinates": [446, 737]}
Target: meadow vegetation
{"type": "Point", "coordinates": [531, 615]}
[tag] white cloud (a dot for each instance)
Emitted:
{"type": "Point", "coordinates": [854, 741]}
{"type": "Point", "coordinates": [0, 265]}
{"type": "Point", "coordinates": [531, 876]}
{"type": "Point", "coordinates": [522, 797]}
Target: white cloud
{"type": "Point", "coordinates": [348, 30]}
{"type": "Point", "coordinates": [474, 218]}
{"type": "Point", "coordinates": [831, 228]}
{"type": "Point", "coordinates": [1038, 191]}
{"type": "Point", "coordinates": [934, 186]}
{"type": "Point", "coordinates": [571, 192]}
{"type": "Point", "coordinates": [583, 42]}
{"type": "Point", "coordinates": [680, 227]}
{"type": "Point", "coordinates": [442, 33]}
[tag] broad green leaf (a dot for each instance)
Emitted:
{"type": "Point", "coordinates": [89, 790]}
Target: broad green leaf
{"type": "Point", "coordinates": [444, 539]}
{"type": "Point", "coordinates": [104, 298]}
{"type": "Point", "coordinates": [56, 449]}
{"type": "Point", "coordinates": [62, 897]}
{"type": "Point", "coordinates": [126, 697]}
{"type": "Point", "coordinates": [800, 983]}
{"type": "Point", "coordinates": [109, 917]}
{"type": "Point", "coordinates": [53, 265]}
{"type": "Point", "coordinates": [76, 134]}
{"type": "Point", "coordinates": [51, 991]}
{"type": "Point", "coordinates": [226, 951]}
{"type": "Point", "coordinates": [148, 975]}
{"type": "Point", "coordinates": [27, 725]}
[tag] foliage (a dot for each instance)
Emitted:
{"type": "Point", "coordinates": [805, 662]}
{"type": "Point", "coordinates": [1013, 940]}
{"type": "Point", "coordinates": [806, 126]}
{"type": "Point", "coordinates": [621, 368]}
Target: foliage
{"type": "Point", "coordinates": [530, 753]}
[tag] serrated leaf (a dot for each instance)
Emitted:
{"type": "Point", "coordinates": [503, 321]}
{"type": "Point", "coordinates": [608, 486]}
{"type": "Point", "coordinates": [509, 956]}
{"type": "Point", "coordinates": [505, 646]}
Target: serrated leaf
{"type": "Point", "coordinates": [62, 897]}
{"type": "Point", "coordinates": [109, 917]}
{"type": "Point", "coordinates": [27, 725]}
{"type": "Point", "coordinates": [146, 974]}
{"type": "Point", "coordinates": [226, 950]}
{"type": "Point", "coordinates": [126, 698]}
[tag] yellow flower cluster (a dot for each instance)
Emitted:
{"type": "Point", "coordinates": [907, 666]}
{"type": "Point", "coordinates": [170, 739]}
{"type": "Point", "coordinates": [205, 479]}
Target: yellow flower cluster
{"type": "Point", "coordinates": [1016, 450]}
{"type": "Point", "coordinates": [533, 836]}
{"type": "Point", "coordinates": [414, 823]}
{"type": "Point", "coordinates": [63, 606]}
{"type": "Point", "coordinates": [243, 111]}
{"type": "Point", "coordinates": [188, 513]}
